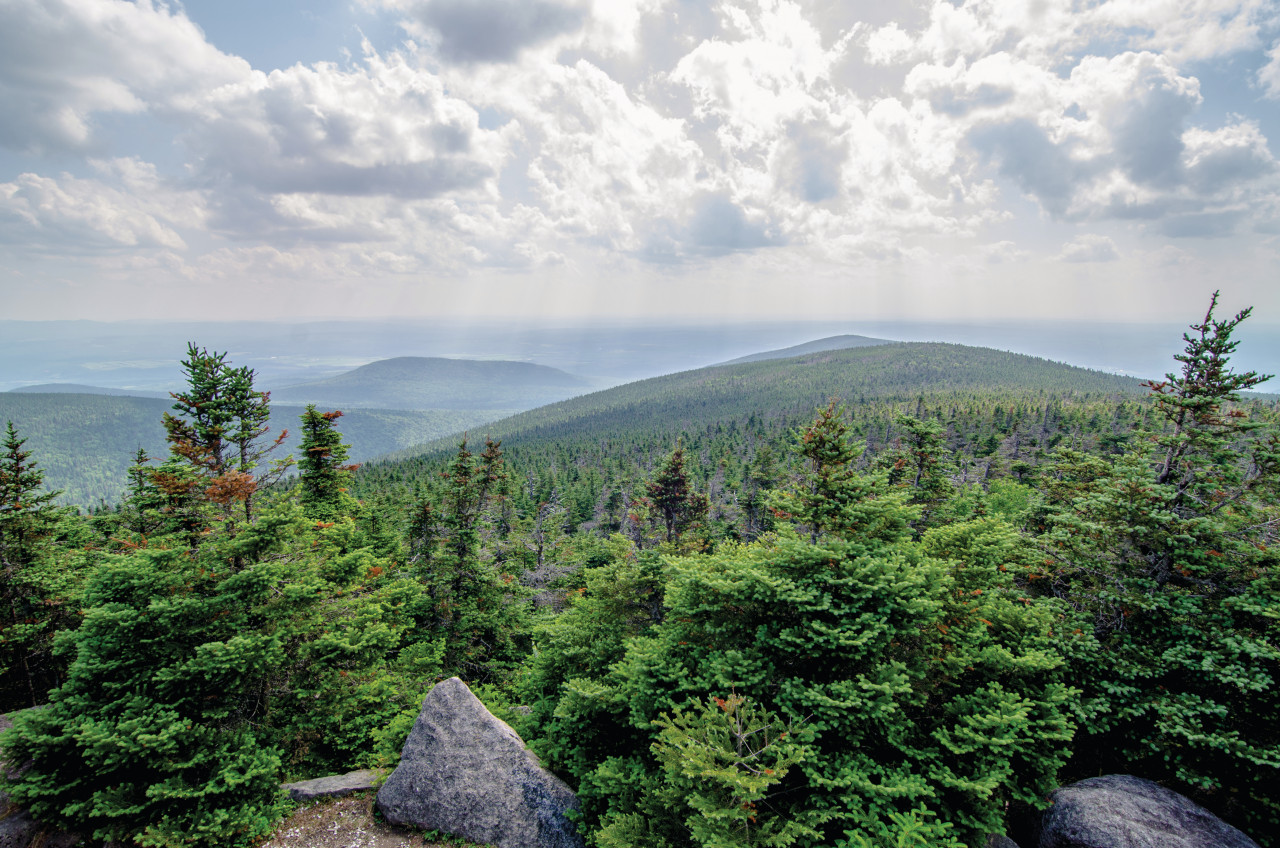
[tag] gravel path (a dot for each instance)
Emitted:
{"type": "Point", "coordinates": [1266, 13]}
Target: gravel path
{"type": "Point", "coordinates": [347, 823]}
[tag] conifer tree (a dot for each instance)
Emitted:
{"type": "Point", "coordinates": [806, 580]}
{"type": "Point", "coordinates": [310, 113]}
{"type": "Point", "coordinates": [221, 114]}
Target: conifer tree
{"type": "Point", "coordinates": [672, 495]}
{"type": "Point", "coordinates": [219, 428]}
{"type": "Point", "coordinates": [830, 495]}
{"type": "Point", "coordinates": [322, 473]}
{"type": "Point", "coordinates": [1167, 551]}
{"type": "Point", "coordinates": [31, 607]}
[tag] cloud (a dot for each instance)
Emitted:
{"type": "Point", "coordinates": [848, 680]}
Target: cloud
{"type": "Point", "coordinates": [1090, 247]}
{"type": "Point", "coordinates": [1269, 74]}
{"type": "Point", "coordinates": [888, 45]}
{"type": "Point", "coordinates": [377, 129]}
{"type": "Point", "coordinates": [131, 208]}
{"type": "Point", "coordinates": [490, 30]}
{"type": "Point", "coordinates": [1052, 32]}
{"type": "Point", "coordinates": [64, 61]}
{"type": "Point", "coordinates": [1112, 139]}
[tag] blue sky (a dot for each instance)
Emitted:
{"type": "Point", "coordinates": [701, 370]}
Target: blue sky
{"type": "Point", "coordinates": [646, 159]}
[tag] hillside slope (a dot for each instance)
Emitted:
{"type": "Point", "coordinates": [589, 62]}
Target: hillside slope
{"type": "Point", "coordinates": [85, 443]}
{"type": "Point", "coordinates": [815, 346]}
{"type": "Point", "coordinates": [422, 382]}
{"type": "Point", "coordinates": [893, 373]}
{"type": "Point", "coordinates": [81, 389]}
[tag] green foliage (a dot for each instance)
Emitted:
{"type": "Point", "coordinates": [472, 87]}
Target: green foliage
{"type": "Point", "coordinates": [719, 761]}
{"type": "Point", "coordinates": [831, 497]}
{"type": "Point", "coordinates": [929, 687]}
{"type": "Point", "coordinates": [478, 607]}
{"type": "Point", "coordinates": [86, 442]}
{"type": "Point", "coordinates": [150, 737]}
{"type": "Point", "coordinates": [672, 497]}
{"type": "Point", "coordinates": [322, 476]}
{"type": "Point", "coordinates": [33, 589]}
{"type": "Point", "coordinates": [1166, 552]}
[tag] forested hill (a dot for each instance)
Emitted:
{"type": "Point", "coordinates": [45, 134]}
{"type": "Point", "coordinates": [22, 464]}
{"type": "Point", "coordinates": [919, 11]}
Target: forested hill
{"type": "Point", "coordinates": [894, 374]}
{"type": "Point", "coordinates": [1000, 413]}
{"type": "Point", "coordinates": [815, 346]}
{"type": "Point", "coordinates": [85, 442]}
{"type": "Point", "coordinates": [80, 389]}
{"type": "Point", "coordinates": [423, 382]}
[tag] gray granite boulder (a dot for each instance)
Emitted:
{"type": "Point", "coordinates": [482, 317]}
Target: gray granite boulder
{"type": "Point", "coordinates": [333, 786]}
{"type": "Point", "coordinates": [464, 772]}
{"type": "Point", "coordinates": [994, 841]}
{"type": "Point", "coordinates": [1121, 811]}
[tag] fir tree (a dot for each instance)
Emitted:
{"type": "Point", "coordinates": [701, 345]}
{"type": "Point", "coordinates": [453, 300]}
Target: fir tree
{"type": "Point", "coordinates": [322, 476]}
{"type": "Point", "coordinates": [672, 495]}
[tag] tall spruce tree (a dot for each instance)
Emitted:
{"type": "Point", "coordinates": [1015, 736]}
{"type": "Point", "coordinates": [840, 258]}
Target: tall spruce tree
{"type": "Point", "coordinates": [219, 430]}
{"type": "Point", "coordinates": [322, 472]}
{"type": "Point", "coordinates": [1167, 550]}
{"type": "Point", "coordinates": [32, 609]}
{"type": "Point", "coordinates": [671, 494]}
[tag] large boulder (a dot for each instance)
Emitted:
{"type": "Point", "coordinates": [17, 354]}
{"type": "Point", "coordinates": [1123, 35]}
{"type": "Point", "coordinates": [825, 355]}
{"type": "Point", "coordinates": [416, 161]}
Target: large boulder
{"type": "Point", "coordinates": [465, 772]}
{"type": "Point", "coordinates": [1121, 811]}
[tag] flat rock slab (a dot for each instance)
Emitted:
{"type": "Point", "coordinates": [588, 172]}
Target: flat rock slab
{"type": "Point", "coordinates": [465, 772]}
{"type": "Point", "coordinates": [1122, 811]}
{"type": "Point", "coordinates": [333, 786]}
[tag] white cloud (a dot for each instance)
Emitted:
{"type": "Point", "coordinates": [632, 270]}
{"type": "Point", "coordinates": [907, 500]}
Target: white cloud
{"type": "Point", "coordinates": [64, 61]}
{"type": "Point", "coordinates": [888, 45]}
{"type": "Point", "coordinates": [1090, 247]}
{"type": "Point", "coordinates": [381, 127]}
{"type": "Point", "coordinates": [132, 208]}
{"type": "Point", "coordinates": [1269, 74]}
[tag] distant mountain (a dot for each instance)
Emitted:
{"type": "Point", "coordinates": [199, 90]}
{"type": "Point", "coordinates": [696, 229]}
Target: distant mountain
{"type": "Point", "coordinates": [85, 442]}
{"type": "Point", "coordinates": [420, 382]}
{"type": "Point", "coordinates": [815, 346]}
{"type": "Point", "coordinates": [78, 389]}
{"type": "Point", "coordinates": [787, 391]}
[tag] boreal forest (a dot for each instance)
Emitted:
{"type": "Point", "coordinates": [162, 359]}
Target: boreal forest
{"type": "Point", "coordinates": [891, 595]}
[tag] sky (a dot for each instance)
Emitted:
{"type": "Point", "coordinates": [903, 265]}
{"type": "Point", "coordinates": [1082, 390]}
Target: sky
{"type": "Point", "coordinates": [669, 160]}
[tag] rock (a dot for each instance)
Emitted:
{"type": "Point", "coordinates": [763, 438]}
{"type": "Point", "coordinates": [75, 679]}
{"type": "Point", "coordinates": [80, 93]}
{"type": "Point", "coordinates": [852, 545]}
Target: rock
{"type": "Point", "coordinates": [19, 830]}
{"type": "Point", "coordinates": [1000, 842]}
{"type": "Point", "coordinates": [333, 786]}
{"type": "Point", "coordinates": [1122, 811]}
{"type": "Point", "coordinates": [466, 773]}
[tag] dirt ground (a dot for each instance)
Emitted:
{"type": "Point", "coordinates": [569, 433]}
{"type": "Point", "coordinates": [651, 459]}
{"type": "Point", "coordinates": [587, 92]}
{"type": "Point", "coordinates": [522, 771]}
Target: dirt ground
{"type": "Point", "coordinates": [347, 823]}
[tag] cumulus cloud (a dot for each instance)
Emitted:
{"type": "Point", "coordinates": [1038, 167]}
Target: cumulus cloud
{"type": "Point", "coordinates": [1090, 247]}
{"type": "Point", "coordinates": [380, 128]}
{"type": "Point", "coordinates": [130, 207]}
{"type": "Point", "coordinates": [579, 133]}
{"type": "Point", "coordinates": [489, 30]}
{"type": "Point", "coordinates": [64, 61]}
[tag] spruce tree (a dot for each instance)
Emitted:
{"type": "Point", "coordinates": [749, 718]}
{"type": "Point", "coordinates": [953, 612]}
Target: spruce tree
{"type": "Point", "coordinates": [1167, 552]}
{"type": "Point", "coordinates": [30, 585]}
{"type": "Point", "coordinates": [322, 474]}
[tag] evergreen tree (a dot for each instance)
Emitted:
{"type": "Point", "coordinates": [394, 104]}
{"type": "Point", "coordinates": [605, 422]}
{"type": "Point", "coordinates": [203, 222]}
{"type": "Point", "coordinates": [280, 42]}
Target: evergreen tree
{"type": "Point", "coordinates": [831, 496]}
{"type": "Point", "coordinates": [1167, 551]}
{"type": "Point", "coordinates": [672, 495]}
{"type": "Point", "coordinates": [219, 428]}
{"type": "Point", "coordinates": [26, 512]}
{"type": "Point", "coordinates": [30, 585]}
{"type": "Point", "coordinates": [322, 475]}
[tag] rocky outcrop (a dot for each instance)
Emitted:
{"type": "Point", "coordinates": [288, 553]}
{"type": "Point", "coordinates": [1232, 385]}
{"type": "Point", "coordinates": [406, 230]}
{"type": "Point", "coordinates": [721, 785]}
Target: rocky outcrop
{"type": "Point", "coordinates": [333, 786]}
{"type": "Point", "coordinates": [465, 772]}
{"type": "Point", "coordinates": [1121, 811]}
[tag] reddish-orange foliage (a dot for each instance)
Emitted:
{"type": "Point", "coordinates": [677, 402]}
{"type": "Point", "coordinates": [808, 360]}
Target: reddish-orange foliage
{"type": "Point", "coordinates": [232, 486]}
